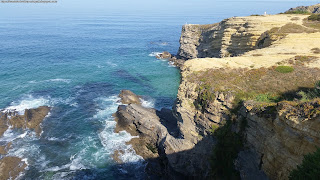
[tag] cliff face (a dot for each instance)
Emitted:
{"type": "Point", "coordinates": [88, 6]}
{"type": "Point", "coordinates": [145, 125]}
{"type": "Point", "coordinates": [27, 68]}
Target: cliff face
{"type": "Point", "coordinates": [230, 37]}
{"type": "Point", "coordinates": [247, 90]}
{"type": "Point", "coordinates": [282, 139]}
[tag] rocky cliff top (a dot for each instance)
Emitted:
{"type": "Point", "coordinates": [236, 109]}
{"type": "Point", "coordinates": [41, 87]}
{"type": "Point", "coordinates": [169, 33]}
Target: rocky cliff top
{"type": "Point", "coordinates": [305, 9]}
{"type": "Point", "coordinates": [238, 35]}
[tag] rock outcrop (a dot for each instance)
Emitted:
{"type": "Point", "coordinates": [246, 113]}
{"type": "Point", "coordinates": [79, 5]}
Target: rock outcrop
{"type": "Point", "coordinates": [160, 143]}
{"type": "Point", "coordinates": [310, 9]}
{"type": "Point", "coordinates": [178, 143]}
{"type": "Point", "coordinates": [11, 167]}
{"type": "Point", "coordinates": [281, 140]}
{"type": "Point", "coordinates": [164, 55]}
{"type": "Point", "coordinates": [231, 37]}
{"type": "Point", "coordinates": [31, 119]}
{"type": "Point", "coordinates": [128, 97]}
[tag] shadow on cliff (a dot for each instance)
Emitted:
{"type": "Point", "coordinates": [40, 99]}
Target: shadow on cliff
{"type": "Point", "coordinates": [191, 164]}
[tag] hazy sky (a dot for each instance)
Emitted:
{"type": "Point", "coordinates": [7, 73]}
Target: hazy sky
{"type": "Point", "coordinates": [123, 6]}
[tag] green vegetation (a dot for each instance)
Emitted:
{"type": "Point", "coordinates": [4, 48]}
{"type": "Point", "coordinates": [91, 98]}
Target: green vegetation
{"type": "Point", "coordinates": [309, 169]}
{"type": "Point", "coordinates": [205, 96]}
{"type": "Point", "coordinates": [284, 69]}
{"type": "Point", "coordinates": [314, 17]}
{"type": "Point", "coordinates": [152, 148]}
{"type": "Point", "coordinates": [225, 152]}
{"type": "Point", "coordinates": [297, 12]}
{"type": "Point", "coordinates": [214, 128]}
{"type": "Point", "coordinates": [261, 85]}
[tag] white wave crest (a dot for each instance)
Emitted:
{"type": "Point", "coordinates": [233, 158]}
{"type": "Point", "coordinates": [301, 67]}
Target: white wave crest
{"type": "Point", "coordinates": [147, 103]}
{"type": "Point", "coordinates": [153, 54]}
{"type": "Point", "coordinates": [28, 103]}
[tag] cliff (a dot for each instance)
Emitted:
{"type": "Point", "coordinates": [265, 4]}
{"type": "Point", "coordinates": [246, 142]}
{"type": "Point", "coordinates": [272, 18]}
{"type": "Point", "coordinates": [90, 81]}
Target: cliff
{"type": "Point", "coordinates": [247, 105]}
{"type": "Point", "coordinates": [231, 37]}
{"type": "Point", "coordinates": [305, 9]}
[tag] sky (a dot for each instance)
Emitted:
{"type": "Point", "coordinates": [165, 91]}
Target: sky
{"type": "Point", "coordinates": [121, 6]}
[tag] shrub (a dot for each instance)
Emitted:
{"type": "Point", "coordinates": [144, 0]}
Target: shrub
{"type": "Point", "coordinates": [297, 12]}
{"type": "Point", "coordinates": [284, 69]}
{"type": "Point", "coordinates": [205, 96]}
{"type": "Point", "coordinates": [309, 169]}
{"type": "Point", "coordinates": [314, 17]}
{"type": "Point", "coordinates": [315, 50]}
{"type": "Point", "coordinates": [225, 151]}
{"type": "Point", "coordinates": [267, 98]}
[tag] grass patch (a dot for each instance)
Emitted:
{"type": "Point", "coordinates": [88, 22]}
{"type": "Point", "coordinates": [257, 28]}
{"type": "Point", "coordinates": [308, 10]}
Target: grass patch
{"type": "Point", "coordinates": [297, 12]}
{"type": "Point", "coordinates": [312, 24]}
{"type": "Point", "coordinates": [214, 128]}
{"type": "Point", "coordinates": [314, 17]}
{"type": "Point", "coordinates": [262, 84]}
{"type": "Point", "coordinates": [284, 69]}
{"type": "Point", "coordinates": [152, 148]}
{"type": "Point", "coordinates": [309, 169]}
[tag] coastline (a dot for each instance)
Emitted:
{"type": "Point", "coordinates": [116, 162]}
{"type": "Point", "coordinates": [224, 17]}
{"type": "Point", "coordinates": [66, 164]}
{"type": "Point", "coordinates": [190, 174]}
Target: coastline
{"type": "Point", "coordinates": [179, 146]}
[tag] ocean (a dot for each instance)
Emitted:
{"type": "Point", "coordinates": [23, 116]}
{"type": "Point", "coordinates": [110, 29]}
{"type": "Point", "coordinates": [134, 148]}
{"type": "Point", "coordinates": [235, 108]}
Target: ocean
{"type": "Point", "coordinates": [77, 64]}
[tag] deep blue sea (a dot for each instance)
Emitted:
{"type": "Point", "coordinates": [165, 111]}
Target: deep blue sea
{"type": "Point", "coordinates": [77, 64]}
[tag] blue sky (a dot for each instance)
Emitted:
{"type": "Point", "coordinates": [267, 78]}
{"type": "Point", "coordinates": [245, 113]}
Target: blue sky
{"type": "Point", "coordinates": [124, 6]}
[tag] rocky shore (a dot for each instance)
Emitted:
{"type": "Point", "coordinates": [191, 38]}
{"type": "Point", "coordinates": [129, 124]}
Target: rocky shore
{"type": "Point", "coordinates": [247, 105]}
{"type": "Point", "coordinates": [11, 167]}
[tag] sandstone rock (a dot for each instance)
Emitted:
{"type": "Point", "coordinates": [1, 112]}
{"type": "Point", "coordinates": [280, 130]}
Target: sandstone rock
{"type": "Point", "coordinates": [231, 37]}
{"type": "Point", "coordinates": [4, 149]}
{"type": "Point", "coordinates": [31, 119]}
{"type": "Point", "coordinates": [128, 97]}
{"type": "Point", "coordinates": [282, 141]}
{"type": "Point", "coordinates": [11, 167]}
{"type": "Point", "coordinates": [164, 55]}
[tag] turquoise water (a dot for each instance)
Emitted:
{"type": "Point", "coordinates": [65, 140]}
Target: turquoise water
{"type": "Point", "coordinates": [77, 64]}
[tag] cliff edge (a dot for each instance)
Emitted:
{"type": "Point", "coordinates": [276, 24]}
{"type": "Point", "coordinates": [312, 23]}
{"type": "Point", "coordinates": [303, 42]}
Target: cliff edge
{"type": "Point", "coordinates": [247, 105]}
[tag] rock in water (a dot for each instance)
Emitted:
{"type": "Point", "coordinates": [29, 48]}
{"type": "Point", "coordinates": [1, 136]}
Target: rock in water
{"type": "Point", "coordinates": [31, 119]}
{"type": "Point", "coordinates": [11, 167]}
{"type": "Point", "coordinates": [164, 55]}
{"type": "Point", "coordinates": [128, 97]}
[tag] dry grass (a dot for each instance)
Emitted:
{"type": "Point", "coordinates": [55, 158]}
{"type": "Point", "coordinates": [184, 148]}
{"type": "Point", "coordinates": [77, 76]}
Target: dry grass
{"type": "Point", "coordinates": [312, 24]}
{"type": "Point", "coordinates": [294, 28]}
{"type": "Point", "coordinates": [258, 83]}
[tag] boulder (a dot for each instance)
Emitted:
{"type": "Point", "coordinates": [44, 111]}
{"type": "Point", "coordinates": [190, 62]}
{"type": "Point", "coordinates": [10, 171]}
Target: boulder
{"type": "Point", "coordinates": [164, 55]}
{"type": "Point", "coordinates": [128, 97]}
